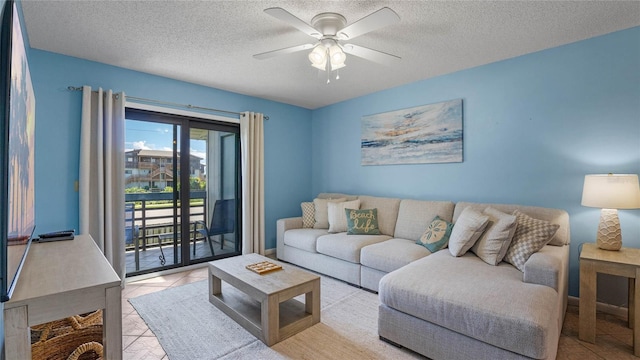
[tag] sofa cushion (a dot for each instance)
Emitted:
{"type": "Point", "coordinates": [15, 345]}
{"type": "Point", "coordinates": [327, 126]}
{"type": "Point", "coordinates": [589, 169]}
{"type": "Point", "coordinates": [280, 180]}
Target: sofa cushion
{"type": "Point", "coordinates": [392, 254]}
{"type": "Point", "coordinates": [321, 212]}
{"type": "Point", "coordinates": [466, 231]}
{"type": "Point", "coordinates": [414, 216]}
{"type": "Point", "coordinates": [346, 247]}
{"type": "Point", "coordinates": [488, 303]}
{"type": "Point", "coordinates": [337, 216]}
{"type": "Point", "coordinates": [531, 235]}
{"type": "Point", "coordinates": [303, 239]}
{"type": "Point", "coordinates": [387, 211]}
{"type": "Point", "coordinates": [362, 222]}
{"type": "Point", "coordinates": [494, 242]}
{"type": "Point", "coordinates": [308, 215]}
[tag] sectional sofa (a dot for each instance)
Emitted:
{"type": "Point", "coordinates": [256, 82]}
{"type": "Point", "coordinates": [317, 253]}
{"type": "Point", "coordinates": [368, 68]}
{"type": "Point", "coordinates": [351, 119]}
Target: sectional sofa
{"type": "Point", "coordinates": [437, 304]}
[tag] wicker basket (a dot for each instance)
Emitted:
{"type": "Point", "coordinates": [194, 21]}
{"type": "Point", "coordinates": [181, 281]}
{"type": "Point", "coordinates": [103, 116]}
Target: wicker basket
{"type": "Point", "coordinates": [87, 348]}
{"type": "Point", "coordinates": [74, 338]}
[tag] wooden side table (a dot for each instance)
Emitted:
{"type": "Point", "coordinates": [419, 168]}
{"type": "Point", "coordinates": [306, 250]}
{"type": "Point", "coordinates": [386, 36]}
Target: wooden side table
{"type": "Point", "coordinates": [625, 262]}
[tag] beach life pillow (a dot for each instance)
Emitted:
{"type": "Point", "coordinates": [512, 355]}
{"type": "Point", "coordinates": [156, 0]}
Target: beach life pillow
{"type": "Point", "coordinates": [466, 231]}
{"type": "Point", "coordinates": [321, 212]}
{"type": "Point", "coordinates": [437, 235]}
{"type": "Point", "coordinates": [308, 215]}
{"type": "Point", "coordinates": [362, 222]}
{"type": "Point", "coordinates": [531, 235]}
{"type": "Point", "coordinates": [494, 242]}
{"type": "Point", "coordinates": [336, 214]}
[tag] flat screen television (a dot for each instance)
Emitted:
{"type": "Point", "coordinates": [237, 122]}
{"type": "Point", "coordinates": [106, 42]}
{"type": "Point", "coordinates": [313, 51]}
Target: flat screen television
{"type": "Point", "coordinates": [17, 157]}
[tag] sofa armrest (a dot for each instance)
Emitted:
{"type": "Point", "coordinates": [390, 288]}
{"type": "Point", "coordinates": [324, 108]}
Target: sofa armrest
{"type": "Point", "coordinates": [283, 225]}
{"type": "Point", "coordinates": [543, 268]}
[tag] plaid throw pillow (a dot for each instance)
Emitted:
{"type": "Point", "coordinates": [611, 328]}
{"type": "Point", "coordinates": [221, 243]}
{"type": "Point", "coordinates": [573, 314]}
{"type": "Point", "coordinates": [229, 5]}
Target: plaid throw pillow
{"type": "Point", "coordinates": [531, 235]}
{"type": "Point", "coordinates": [308, 214]}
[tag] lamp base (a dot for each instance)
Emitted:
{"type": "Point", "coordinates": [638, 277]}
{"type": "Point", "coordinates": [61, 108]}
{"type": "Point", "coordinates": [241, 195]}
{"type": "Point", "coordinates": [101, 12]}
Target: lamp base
{"type": "Point", "coordinates": [609, 234]}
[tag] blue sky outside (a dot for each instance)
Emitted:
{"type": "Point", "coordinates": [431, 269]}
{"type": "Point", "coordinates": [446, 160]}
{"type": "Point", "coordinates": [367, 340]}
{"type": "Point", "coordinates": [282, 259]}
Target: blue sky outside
{"type": "Point", "coordinates": [157, 136]}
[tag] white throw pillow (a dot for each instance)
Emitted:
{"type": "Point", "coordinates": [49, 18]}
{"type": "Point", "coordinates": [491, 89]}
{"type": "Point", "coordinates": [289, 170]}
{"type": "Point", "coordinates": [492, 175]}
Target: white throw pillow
{"type": "Point", "coordinates": [466, 231]}
{"type": "Point", "coordinates": [495, 241]}
{"type": "Point", "coordinates": [337, 216]}
{"type": "Point", "coordinates": [321, 212]}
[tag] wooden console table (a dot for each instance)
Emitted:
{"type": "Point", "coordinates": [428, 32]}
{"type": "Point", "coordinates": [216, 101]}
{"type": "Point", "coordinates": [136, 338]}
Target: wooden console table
{"type": "Point", "coordinates": [61, 279]}
{"type": "Point", "coordinates": [626, 263]}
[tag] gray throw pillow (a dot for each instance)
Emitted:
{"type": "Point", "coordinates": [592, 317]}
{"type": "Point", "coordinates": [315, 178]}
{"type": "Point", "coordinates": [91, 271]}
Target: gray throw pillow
{"type": "Point", "coordinates": [531, 236]}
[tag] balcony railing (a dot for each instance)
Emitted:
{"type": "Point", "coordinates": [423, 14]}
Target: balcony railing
{"type": "Point", "coordinates": [154, 219]}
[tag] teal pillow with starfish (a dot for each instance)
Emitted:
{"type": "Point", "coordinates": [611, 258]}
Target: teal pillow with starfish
{"type": "Point", "coordinates": [436, 236]}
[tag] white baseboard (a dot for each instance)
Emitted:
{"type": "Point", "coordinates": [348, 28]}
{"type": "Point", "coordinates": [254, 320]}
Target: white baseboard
{"type": "Point", "coordinates": [619, 311]}
{"type": "Point", "coordinates": [268, 252]}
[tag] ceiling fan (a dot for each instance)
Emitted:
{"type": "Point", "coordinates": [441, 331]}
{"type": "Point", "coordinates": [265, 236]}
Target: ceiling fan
{"type": "Point", "coordinates": [331, 30]}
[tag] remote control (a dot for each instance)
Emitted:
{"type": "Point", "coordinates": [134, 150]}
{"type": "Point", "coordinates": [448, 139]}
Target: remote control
{"type": "Point", "coordinates": [57, 234]}
{"type": "Point", "coordinates": [57, 238]}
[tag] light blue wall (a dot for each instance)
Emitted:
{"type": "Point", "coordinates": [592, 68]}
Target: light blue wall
{"type": "Point", "coordinates": [533, 127]}
{"type": "Point", "coordinates": [58, 110]}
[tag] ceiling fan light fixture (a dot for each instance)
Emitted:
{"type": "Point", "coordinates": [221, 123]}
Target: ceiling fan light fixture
{"type": "Point", "coordinates": [329, 28]}
{"type": "Point", "coordinates": [337, 57]}
{"type": "Point", "coordinates": [337, 66]}
{"type": "Point", "coordinates": [322, 66]}
{"type": "Point", "coordinates": [318, 56]}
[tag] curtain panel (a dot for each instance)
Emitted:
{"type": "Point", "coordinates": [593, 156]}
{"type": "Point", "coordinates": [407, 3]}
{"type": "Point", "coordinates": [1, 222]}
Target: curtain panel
{"type": "Point", "coordinates": [252, 149]}
{"type": "Point", "coordinates": [101, 183]}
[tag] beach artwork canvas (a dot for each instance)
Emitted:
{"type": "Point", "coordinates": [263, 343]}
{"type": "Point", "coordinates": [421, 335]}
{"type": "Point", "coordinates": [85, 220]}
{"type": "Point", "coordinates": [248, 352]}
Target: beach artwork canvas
{"type": "Point", "coordinates": [421, 135]}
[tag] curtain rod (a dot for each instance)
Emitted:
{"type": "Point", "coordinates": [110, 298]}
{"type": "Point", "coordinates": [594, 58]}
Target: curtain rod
{"type": "Point", "coordinates": [188, 106]}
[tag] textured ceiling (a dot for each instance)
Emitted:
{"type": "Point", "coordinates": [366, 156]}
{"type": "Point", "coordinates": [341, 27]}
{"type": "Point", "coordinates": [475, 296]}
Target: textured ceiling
{"type": "Point", "coordinates": [212, 42]}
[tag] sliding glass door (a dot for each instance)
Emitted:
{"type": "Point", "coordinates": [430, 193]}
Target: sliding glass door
{"type": "Point", "coordinates": [179, 209]}
{"type": "Point", "coordinates": [218, 191]}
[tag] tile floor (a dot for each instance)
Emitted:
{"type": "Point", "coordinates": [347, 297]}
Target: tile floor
{"type": "Point", "coordinates": [138, 341]}
{"type": "Point", "coordinates": [614, 340]}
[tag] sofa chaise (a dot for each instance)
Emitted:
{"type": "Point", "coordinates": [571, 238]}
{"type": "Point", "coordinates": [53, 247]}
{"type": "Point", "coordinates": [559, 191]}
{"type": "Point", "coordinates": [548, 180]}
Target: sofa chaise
{"type": "Point", "coordinates": [437, 304]}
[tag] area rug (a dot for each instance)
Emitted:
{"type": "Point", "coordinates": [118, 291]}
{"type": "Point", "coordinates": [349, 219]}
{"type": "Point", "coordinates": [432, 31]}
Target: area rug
{"type": "Point", "coordinates": [189, 327]}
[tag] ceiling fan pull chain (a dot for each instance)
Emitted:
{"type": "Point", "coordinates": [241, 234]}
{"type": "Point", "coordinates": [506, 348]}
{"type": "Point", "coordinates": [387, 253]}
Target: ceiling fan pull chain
{"type": "Point", "coordinates": [328, 69]}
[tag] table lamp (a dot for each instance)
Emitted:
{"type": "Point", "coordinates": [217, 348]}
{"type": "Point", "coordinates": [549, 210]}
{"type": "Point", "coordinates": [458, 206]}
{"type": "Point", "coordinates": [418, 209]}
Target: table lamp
{"type": "Point", "coordinates": [610, 192]}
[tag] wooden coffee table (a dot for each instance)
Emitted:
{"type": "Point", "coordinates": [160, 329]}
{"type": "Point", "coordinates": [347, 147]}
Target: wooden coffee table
{"type": "Point", "coordinates": [264, 304]}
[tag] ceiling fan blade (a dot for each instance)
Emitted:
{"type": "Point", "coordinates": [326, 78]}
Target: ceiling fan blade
{"type": "Point", "coordinates": [374, 21]}
{"type": "Point", "coordinates": [370, 54]}
{"type": "Point", "coordinates": [289, 50]}
{"type": "Point", "coordinates": [284, 15]}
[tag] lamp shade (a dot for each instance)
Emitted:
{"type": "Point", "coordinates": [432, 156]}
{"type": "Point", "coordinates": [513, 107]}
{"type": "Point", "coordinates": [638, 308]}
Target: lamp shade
{"type": "Point", "coordinates": [611, 191]}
